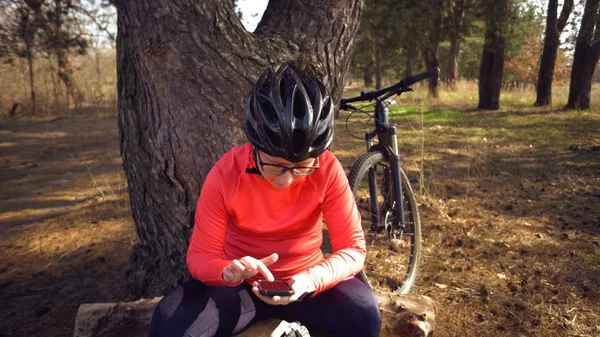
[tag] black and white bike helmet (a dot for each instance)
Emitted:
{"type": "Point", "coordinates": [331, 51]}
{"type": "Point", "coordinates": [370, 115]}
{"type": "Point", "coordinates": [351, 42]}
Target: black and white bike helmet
{"type": "Point", "coordinates": [289, 114]}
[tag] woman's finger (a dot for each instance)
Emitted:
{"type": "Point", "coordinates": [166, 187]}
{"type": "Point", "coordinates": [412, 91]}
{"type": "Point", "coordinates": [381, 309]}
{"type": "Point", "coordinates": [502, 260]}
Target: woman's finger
{"type": "Point", "coordinates": [269, 260]}
{"type": "Point", "coordinates": [237, 266]}
{"type": "Point", "coordinates": [266, 273]}
{"type": "Point", "coordinates": [250, 263]}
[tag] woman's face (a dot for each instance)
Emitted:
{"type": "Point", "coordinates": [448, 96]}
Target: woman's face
{"type": "Point", "coordinates": [286, 179]}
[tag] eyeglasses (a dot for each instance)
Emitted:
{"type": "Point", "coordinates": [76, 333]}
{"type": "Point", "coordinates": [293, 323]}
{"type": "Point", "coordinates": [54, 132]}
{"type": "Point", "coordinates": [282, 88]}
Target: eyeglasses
{"type": "Point", "coordinates": [281, 169]}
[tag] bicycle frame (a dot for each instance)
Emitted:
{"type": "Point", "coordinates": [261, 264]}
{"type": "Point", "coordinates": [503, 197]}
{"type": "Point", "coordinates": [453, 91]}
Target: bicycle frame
{"type": "Point", "coordinates": [388, 145]}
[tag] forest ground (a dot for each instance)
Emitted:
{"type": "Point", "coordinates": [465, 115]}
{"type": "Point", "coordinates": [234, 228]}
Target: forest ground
{"type": "Point", "coordinates": [509, 204]}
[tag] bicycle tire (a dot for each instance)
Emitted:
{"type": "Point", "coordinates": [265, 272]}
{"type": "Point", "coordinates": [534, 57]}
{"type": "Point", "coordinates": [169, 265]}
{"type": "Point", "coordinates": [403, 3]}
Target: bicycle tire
{"type": "Point", "coordinates": [384, 256]}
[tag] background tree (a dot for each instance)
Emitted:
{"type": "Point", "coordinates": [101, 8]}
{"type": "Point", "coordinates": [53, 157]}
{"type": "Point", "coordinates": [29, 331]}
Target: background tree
{"type": "Point", "coordinates": [363, 62]}
{"type": "Point", "coordinates": [18, 34]}
{"type": "Point", "coordinates": [431, 47]}
{"type": "Point", "coordinates": [521, 69]}
{"type": "Point", "coordinates": [554, 27]}
{"type": "Point", "coordinates": [62, 34]}
{"type": "Point", "coordinates": [400, 28]}
{"type": "Point", "coordinates": [455, 26]}
{"type": "Point", "coordinates": [585, 59]}
{"type": "Point", "coordinates": [524, 31]}
{"type": "Point", "coordinates": [379, 42]}
{"type": "Point", "coordinates": [184, 70]}
{"type": "Point", "coordinates": [492, 58]}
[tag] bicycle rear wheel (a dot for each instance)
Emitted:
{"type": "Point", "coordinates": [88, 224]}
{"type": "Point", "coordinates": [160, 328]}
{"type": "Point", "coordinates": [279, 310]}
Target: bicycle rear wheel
{"type": "Point", "coordinates": [392, 262]}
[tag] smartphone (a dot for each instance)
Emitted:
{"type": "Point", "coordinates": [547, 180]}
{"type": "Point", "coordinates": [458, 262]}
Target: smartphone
{"type": "Point", "coordinates": [275, 288]}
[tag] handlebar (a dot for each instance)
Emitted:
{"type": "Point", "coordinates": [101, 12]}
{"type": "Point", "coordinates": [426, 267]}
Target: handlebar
{"type": "Point", "coordinates": [402, 86]}
{"type": "Point", "coordinates": [408, 81]}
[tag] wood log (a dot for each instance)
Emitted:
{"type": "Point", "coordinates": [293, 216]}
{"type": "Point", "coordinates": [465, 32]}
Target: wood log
{"type": "Point", "coordinates": [402, 316]}
{"type": "Point", "coordinates": [406, 315]}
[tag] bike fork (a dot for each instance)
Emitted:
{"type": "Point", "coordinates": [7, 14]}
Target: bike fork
{"type": "Point", "coordinates": [397, 180]}
{"type": "Point", "coordinates": [372, 190]}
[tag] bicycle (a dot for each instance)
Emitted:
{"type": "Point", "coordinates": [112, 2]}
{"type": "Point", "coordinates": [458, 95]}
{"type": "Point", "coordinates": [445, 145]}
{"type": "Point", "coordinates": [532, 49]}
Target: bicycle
{"type": "Point", "coordinates": [385, 198]}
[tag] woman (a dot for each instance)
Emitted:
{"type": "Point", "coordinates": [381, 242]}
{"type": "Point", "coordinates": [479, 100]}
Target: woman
{"type": "Point", "coordinates": [259, 217]}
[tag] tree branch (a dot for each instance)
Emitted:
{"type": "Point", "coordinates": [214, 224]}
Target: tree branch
{"type": "Point", "coordinates": [293, 22]}
{"type": "Point", "coordinates": [596, 40]}
{"type": "Point", "coordinates": [35, 5]}
{"type": "Point", "coordinates": [564, 15]}
{"type": "Point", "coordinates": [93, 18]}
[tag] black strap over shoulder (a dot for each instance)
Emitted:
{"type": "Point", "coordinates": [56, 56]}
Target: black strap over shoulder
{"type": "Point", "coordinates": [252, 170]}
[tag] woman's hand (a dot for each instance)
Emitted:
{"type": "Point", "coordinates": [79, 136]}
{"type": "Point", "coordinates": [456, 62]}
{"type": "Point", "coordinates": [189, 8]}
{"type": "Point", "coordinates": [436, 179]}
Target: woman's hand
{"type": "Point", "coordinates": [299, 283]}
{"type": "Point", "coordinates": [247, 267]}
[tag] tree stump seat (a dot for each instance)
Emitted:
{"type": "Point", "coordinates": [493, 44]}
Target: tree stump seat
{"type": "Point", "coordinates": [402, 315]}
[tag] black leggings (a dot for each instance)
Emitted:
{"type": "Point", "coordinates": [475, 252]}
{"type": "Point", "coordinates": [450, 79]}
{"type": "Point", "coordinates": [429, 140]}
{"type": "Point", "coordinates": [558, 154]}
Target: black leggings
{"type": "Point", "coordinates": [196, 310]}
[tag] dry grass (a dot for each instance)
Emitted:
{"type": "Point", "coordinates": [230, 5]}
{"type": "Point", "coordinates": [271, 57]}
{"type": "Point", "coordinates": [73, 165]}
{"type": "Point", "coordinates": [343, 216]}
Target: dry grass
{"type": "Point", "coordinates": [65, 227]}
{"type": "Point", "coordinates": [509, 209]}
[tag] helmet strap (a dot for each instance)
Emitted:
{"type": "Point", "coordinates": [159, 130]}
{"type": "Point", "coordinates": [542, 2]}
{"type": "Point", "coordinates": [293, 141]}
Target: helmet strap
{"type": "Point", "coordinates": [254, 170]}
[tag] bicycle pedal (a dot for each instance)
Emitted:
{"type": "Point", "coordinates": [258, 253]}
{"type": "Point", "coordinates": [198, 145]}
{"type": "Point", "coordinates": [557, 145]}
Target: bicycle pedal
{"type": "Point", "coordinates": [286, 329]}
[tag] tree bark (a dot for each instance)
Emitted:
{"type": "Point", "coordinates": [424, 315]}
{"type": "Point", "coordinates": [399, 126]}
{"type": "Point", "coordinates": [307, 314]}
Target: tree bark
{"type": "Point", "coordinates": [185, 68]}
{"type": "Point", "coordinates": [554, 26]}
{"type": "Point", "coordinates": [492, 58]}
{"type": "Point", "coordinates": [587, 54]}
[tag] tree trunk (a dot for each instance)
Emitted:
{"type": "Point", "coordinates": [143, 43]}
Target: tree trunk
{"type": "Point", "coordinates": [367, 78]}
{"type": "Point", "coordinates": [492, 58]}
{"type": "Point", "coordinates": [587, 53]}
{"type": "Point", "coordinates": [554, 27]}
{"type": "Point", "coordinates": [31, 82]}
{"type": "Point", "coordinates": [432, 46]}
{"type": "Point", "coordinates": [97, 95]}
{"type": "Point", "coordinates": [409, 65]}
{"type": "Point", "coordinates": [452, 67]}
{"type": "Point", "coordinates": [65, 67]}
{"type": "Point", "coordinates": [184, 70]}
{"type": "Point", "coordinates": [65, 73]}
{"type": "Point", "coordinates": [56, 103]}
{"type": "Point", "coordinates": [457, 13]}
{"type": "Point", "coordinates": [378, 70]}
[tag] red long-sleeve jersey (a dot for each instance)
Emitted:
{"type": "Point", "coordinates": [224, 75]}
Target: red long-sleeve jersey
{"type": "Point", "coordinates": [240, 214]}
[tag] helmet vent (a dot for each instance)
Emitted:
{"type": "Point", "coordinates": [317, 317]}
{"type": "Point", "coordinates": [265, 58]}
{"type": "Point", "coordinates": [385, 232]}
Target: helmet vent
{"type": "Point", "coordinates": [319, 141]}
{"type": "Point", "coordinates": [326, 109]}
{"type": "Point", "coordinates": [283, 91]}
{"type": "Point", "coordinates": [268, 111]}
{"type": "Point", "coordinates": [299, 104]}
{"type": "Point", "coordinates": [298, 139]}
{"type": "Point", "coordinates": [274, 138]}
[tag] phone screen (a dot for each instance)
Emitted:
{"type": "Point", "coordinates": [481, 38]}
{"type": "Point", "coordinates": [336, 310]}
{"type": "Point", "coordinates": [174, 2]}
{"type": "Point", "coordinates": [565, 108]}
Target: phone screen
{"type": "Point", "coordinates": [275, 288]}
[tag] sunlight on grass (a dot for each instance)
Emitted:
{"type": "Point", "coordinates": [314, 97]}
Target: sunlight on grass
{"type": "Point", "coordinates": [465, 95]}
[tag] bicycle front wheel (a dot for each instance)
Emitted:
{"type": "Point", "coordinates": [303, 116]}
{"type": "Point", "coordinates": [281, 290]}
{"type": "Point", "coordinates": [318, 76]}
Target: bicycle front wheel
{"type": "Point", "coordinates": [393, 255]}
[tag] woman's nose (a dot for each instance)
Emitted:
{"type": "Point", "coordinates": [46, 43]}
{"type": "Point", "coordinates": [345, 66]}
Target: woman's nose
{"type": "Point", "coordinates": [285, 179]}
